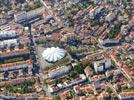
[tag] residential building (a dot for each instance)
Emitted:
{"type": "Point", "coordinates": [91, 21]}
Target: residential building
{"type": "Point", "coordinates": [7, 34]}
{"type": "Point", "coordinates": [20, 17]}
{"type": "Point", "coordinates": [110, 17]}
{"type": "Point", "coordinates": [102, 65]}
{"type": "Point", "coordinates": [126, 95]}
{"type": "Point", "coordinates": [27, 16]}
{"type": "Point", "coordinates": [59, 71]}
{"type": "Point", "coordinates": [88, 71]}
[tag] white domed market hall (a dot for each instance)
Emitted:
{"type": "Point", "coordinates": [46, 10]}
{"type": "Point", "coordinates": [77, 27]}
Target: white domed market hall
{"type": "Point", "coordinates": [53, 54]}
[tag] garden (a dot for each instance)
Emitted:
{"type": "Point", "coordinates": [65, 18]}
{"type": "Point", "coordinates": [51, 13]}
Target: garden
{"type": "Point", "coordinates": [22, 88]}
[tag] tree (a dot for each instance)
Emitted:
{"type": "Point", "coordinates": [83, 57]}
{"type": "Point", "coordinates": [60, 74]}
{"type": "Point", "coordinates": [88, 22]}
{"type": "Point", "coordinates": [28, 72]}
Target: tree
{"type": "Point", "coordinates": [68, 48]}
{"type": "Point", "coordinates": [79, 68]}
{"type": "Point", "coordinates": [56, 98]}
{"type": "Point", "coordinates": [70, 95]}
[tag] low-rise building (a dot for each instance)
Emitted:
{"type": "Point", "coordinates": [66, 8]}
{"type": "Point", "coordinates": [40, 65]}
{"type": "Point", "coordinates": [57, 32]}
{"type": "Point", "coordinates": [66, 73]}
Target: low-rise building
{"type": "Point", "coordinates": [105, 96]}
{"type": "Point", "coordinates": [108, 42]}
{"type": "Point", "coordinates": [98, 78]}
{"type": "Point", "coordinates": [126, 95]}
{"type": "Point", "coordinates": [27, 16]}
{"type": "Point", "coordinates": [88, 71]}
{"type": "Point", "coordinates": [16, 65]}
{"type": "Point", "coordinates": [84, 89]}
{"type": "Point", "coordinates": [20, 17]}
{"type": "Point", "coordinates": [7, 34]}
{"type": "Point", "coordinates": [67, 84]}
{"type": "Point", "coordinates": [60, 71]}
{"type": "Point", "coordinates": [130, 85]}
{"type": "Point", "coordinates": [110, 17]}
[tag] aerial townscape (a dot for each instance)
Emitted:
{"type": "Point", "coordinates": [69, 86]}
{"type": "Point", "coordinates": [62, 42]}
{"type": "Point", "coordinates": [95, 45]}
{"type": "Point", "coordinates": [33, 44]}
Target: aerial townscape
{"type": "Point", "coordinates": [66, 49]}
